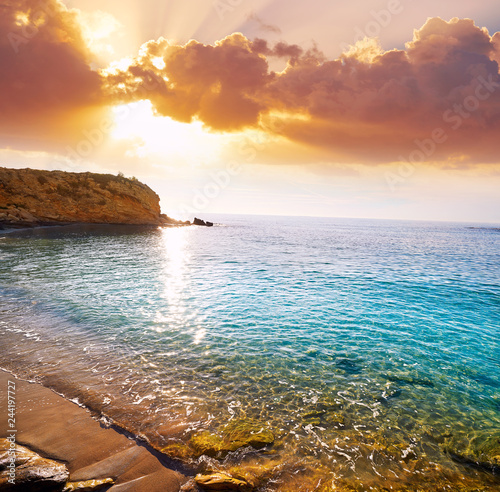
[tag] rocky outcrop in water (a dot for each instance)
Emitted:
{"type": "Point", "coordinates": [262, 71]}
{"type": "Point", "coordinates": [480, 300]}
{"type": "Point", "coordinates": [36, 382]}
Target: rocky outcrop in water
{"type": "Point", "coordinates": [200, 222]}
{"type": "Point", "coordinates": [30, 197]}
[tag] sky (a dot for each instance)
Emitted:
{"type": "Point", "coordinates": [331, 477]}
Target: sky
{"type": "Point", "coordinates": [378, 109]}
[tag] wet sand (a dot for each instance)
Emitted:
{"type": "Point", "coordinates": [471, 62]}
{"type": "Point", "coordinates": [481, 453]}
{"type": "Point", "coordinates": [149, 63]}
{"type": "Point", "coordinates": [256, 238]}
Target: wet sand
{"type": "Point", "coordinates": [61, 430]}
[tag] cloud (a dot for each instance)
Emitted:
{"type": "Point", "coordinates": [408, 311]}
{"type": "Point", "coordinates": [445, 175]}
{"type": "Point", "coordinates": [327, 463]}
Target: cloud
{"type": "Point", "coordinates": [220, 84]}
{"type": "Point", "coordinates": [436, 100]}
{"type": "Point", "coordinates": [48, 92]}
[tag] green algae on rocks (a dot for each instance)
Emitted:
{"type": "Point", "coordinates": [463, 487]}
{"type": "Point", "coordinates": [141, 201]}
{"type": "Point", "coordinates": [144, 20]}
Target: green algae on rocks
{"type": "Point", "coordinates": [233, 436]}
{"type": "Point", "coordinates": [222, 481]}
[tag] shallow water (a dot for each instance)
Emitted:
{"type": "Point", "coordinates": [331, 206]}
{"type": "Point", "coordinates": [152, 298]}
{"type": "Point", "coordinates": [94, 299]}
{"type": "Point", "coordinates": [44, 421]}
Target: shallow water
{"type": "Point", "coordinates": [370, 348]}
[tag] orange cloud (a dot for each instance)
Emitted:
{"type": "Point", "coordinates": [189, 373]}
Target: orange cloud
{"type": "Point", "coordinates": [218, 84]}
{"type": "Point", "coordinates": [436, 100]}
{"type": "Point", "coordinates": [48, 92]}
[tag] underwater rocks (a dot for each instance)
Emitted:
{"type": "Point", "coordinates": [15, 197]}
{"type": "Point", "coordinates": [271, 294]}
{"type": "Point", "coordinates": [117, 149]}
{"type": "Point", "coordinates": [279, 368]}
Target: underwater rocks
{"type": "Point", "coordinates": [325, 414]}
{"type": "Point", "coordinates": [481, 452]}
{"type": "Point", "coordinates": [327, 419]}
{"type": "Point", "coordinates": [221, 481]}
{"type": "Point", "coordinates": [233, 436]}
{"type": "Point", "coordinates": [88, 485]}
{"type": "Point", "coordinates": [491, 466]}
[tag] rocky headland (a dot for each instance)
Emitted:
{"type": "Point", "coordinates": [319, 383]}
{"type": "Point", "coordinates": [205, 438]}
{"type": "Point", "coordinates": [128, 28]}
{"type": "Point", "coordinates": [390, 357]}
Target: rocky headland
{"type": "Point", "coordinates": [30, 197]}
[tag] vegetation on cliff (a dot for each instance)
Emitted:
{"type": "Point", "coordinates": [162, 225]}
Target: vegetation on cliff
{"type": "Point", "coordinates": [30, 197]}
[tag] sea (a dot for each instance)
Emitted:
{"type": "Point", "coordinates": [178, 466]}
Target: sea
{"type": "Point", "coordinates": [369, 348]}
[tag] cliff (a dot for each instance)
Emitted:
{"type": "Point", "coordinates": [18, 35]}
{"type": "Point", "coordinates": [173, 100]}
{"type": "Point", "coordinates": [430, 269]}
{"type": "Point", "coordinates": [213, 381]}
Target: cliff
{"type": "Point", "coordinates": [30, 197]}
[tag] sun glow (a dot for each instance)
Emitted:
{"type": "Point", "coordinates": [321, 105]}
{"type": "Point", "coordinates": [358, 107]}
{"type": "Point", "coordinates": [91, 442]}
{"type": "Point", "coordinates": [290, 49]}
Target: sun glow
{"type": "Point", "coordinates": [22, 19]}
{"type": "Point", "coordinates": [163, 137]}
{"type": "Point", "coordinates": [97, 29]}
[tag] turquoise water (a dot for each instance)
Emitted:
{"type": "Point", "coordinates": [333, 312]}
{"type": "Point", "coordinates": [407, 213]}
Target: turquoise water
{"type": "Point", "coordinates": [370, 348]}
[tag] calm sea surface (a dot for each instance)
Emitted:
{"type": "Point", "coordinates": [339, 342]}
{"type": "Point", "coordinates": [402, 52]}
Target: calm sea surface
{"type": "Point", "coordinates": [370, 348]}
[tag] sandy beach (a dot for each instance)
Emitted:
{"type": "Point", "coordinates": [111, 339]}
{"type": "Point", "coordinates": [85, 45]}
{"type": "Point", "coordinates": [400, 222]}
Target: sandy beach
{"type": "Point", "coordinates": [63, 431]}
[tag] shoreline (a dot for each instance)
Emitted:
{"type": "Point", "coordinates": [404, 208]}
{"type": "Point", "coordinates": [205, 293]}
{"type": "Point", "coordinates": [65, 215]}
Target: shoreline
{"type": "Point", "coordinates": [59, 429]}
{"type": "Point", "coordinates": [6, 229]}
{"type": "Point", "coordinates": [9, 228]}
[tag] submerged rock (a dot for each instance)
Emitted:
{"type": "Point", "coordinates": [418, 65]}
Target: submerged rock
{"type": "Point", "coordinates": [235, 435]}
{"type": "Point", "coordinates": [221, 481]}
{"type": "Point", "coordinates": [491, 466]}
{"type": "Point", "coordinates": [315, 414]}
{"type": "Point", "coordinates": [88, 485]}
{"type": "Point", "coordinates": [31, 472]}
{"type": "Point", "coordinates": [323, 416]}
{"type": "Point", "coordinates": [177, 450]}
{"type": "Point", "coordinates": [207, 443]}
{"type": "Point", "coordinates": [335, 419]}
{"type": "Point", "coordinates": [245, 433]}
{"type": "Point", "coordinates": [482, 451]}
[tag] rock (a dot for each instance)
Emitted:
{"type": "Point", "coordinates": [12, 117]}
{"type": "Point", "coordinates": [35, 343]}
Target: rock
{"type": "Point", "coordinates": [30, 197]}
{"type": "Point", "coordinates": [235, 435]}
{"type": "Point", "coordinates": [200, 222]}
{"type": "Point", "coordinates": [482, 451]}
{"type": "Point", "coordinates": [207, 443]}
{"type": "Point", "coordinates": [221, 481]}
{"type": "Point", "coordinates": [177, 450]}
{"type": "Point", "coordinates": [32, 472]}
{"type": "Point", "coordinates": [335, 419]}
{"type": "Point", "coordinates": [314, 414]}
{"type": "Point", "coordinates": [322, 416]}
{"type": "Point", "coordinates": [312, 421]}
{"type": "Point", "coordinates": [190, 486]}
{"type": "Point", "coordinates": [247, 433]}
{"type": "Point", "coordinates": [88, 485]}
{"type": "Point", "coordinates": [165, 220]}
{"type": "Point", "coordinates": [492, 465]}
